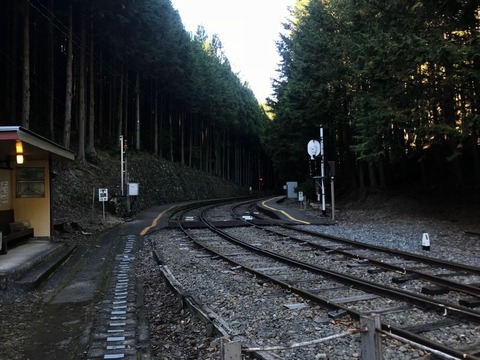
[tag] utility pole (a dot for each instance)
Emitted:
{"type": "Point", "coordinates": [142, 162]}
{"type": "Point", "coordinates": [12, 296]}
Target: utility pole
{"type": "Point", "coordinates": [121, 163]}
{"type": "Point", "coordinates": [322, 172]}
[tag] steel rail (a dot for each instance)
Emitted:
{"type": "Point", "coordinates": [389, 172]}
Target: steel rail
{"type": "Point", "coordinates": [469, 289]}
{"type": "Point", "coordinates": [447, 309]}
{"type": "Point", "coordinates": [472, 290]}
{"type": "Point", "coordinates": [427, 259]}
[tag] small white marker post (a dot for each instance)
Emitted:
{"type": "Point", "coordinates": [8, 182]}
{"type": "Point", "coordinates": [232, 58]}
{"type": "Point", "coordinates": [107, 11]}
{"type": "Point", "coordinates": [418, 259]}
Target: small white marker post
{"type": "Point", "coordinates": [425, 242]}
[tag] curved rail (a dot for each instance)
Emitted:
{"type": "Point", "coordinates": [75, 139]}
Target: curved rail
{"type": "Point", "coordinates": [446, 309]}
{"type": "Point", "coordinates": [469, 289]}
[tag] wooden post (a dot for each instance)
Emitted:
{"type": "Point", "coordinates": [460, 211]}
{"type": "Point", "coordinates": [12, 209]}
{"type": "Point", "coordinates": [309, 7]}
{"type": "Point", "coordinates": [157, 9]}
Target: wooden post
{"type": "Point", "coordinates": [93, 203]}
{"type": "Point", "coordinates": [371, 346]}
{"type": "Point", "coordinates": [230, 350]}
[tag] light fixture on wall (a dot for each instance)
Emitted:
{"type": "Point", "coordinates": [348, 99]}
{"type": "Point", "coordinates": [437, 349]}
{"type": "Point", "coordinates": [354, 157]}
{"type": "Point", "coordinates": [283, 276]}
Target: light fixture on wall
{"type": "Point", "coordinates": [19, 159]}
{"type": "Point", "coordinates": [19, 149]}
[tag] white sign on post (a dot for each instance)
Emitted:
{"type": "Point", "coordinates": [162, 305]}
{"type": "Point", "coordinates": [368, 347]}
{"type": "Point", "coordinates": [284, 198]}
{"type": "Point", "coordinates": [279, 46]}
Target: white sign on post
{"type": "Point", "coordinates": [300, 196]}
{"type": "Point", "coordinates": [103, 197]}
{"type": "Point", "coordinates": [102, 194]}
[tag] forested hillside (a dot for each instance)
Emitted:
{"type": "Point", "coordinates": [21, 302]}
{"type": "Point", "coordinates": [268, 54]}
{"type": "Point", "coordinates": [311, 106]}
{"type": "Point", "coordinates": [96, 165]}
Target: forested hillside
{"type": "Point", "coordinates": [84, 72]}
{"type": "Point", "coordinates": [396, 85]}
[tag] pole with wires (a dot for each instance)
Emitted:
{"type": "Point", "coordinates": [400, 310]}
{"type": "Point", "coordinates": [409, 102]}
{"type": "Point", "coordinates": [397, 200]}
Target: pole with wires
{"type": "Point", "coordinates": [322, 172]}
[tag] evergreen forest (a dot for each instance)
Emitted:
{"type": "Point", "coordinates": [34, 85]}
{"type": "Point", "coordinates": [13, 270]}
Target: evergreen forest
{"type": "Point", "coordinates": [85, 73]}
{"type": "Point", "coordinates": [394, 85]}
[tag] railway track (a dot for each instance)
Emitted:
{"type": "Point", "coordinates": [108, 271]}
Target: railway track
{"type": "Point", "coordinates": [338, 283]}
{"type": "Point", "coordinates": [444, 280]}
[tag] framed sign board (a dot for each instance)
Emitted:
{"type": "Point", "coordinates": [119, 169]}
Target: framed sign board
{"type": "Point", "coordinates": [30, 182]}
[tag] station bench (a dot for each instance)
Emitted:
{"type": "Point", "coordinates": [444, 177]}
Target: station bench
{"type": "Point", "coordinates": [12, 232]}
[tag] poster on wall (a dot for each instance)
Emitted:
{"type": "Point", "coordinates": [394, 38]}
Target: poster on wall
{"type": "Point", "coordinates": [4, 191]}
{"type": "Point", "coordinates": [31, 182]}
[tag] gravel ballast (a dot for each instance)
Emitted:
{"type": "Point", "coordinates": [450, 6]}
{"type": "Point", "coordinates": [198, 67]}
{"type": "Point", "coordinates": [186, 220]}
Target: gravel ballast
{"type": "Point", "coordinates": [177, 333]}
{"type": "Point", "coordinates": [380, 225]}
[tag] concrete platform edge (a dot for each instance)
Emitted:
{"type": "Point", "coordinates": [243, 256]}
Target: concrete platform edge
{"type": "Point", "coordinates": [39, 277]}
{"type": "Point", "coordinates": [19, 271]}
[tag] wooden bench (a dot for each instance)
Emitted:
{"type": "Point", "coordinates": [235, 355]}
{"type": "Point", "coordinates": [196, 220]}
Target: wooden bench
{"type": "Point", "coordinates": [8, 236]}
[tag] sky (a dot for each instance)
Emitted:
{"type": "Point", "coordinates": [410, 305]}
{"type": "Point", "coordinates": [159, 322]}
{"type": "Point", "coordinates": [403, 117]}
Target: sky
{"type": "Point", "coordinates": [247, 29]}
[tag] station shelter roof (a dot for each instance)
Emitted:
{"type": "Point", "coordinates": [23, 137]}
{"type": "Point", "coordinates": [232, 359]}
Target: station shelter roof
{"type": "Point", "coordinates": [35, 147]}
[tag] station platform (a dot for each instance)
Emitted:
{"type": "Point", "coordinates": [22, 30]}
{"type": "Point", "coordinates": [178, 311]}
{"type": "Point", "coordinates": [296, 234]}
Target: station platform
{"type": "Point", "coordinates": [27, 264]}
{"type": "Point", "coordinates": [290, 212]}
{"type": "Point", "coordinates": [34, 257]}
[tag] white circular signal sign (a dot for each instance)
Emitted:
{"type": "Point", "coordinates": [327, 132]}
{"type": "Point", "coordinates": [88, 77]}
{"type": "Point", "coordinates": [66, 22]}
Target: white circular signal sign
{"type": "Point", "coordinates": [313, 148]}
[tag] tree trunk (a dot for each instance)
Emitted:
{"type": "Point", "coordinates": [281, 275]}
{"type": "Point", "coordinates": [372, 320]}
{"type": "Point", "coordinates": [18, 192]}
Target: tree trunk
{"type": "Point", "coordinates": [190, 141]}
{"type": "Point", "coordinates": [125, 118]}
{"type": "Point", "coordinates": [216, 154]}
{"type": "Point", "coordinates": [224, 154]}
{"type": "Point", "coordinates": [51, 78]}
{"type": "Point", "coordinates": [11, 69]}
{"type": "Point", "coordinates": [236, 161]}
{"type": "Point", "coordinates": [361, 176]}
{"type": "Point", "coordinates": [100, 97]}
{"type": "Point", "coordinates": [181, 127]}
{"type": "Point", "coordinates": [476, 156]}
{"type": "Point", "coordinates": [229, 176]}
{"type": "Point", "coordinates": [81, 90]}
{"type": "Point", "coordinates": [201, 144]}
{"type": "Point", "coordinates": [372, 176]}
{"type": "Point", "coordinates": [91, 102]}
{"type": "Point", "coordinates": [208, 149]}
{"type": "Point", "coordinates": [26, 67]}
{"type": "Point", "coordinates": [69, 82]}
{"type": "Point", "coordinates": [137, 113]}
{"type": "Point", "coordinates": [449, 110]}
{"type": "Point", "coordinates": [160, 125]}
{"type": "Point", "coordinates": [155, 121]}
{"type": "Point", "coordinates": [110, 100]}
{"type": "Point", "coordinates": [381, 172]}
{"type": "Point", "coordinates": [171, 134]}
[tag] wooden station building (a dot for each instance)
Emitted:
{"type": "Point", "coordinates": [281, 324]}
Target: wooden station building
{"type": "Point", "coordinates": [25, 183]}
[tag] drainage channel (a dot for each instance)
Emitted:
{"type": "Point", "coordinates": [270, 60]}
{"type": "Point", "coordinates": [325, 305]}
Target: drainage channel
{"type": "Point", "coordinates": [116, 329]}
